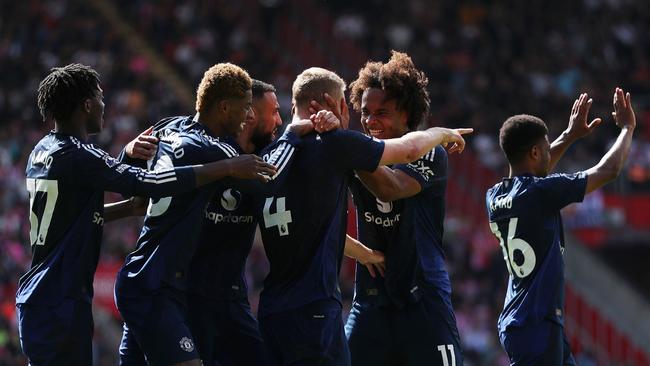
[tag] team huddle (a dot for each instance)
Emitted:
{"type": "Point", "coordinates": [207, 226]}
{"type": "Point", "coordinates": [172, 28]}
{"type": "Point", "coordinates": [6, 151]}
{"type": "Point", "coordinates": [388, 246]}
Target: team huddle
{"type": "Point", "coordinates": [205, 181]}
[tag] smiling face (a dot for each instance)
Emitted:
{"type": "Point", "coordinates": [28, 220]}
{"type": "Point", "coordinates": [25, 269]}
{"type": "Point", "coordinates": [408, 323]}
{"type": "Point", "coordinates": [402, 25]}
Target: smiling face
{"type": "Point", "coordinates": [267, 116]}
{"type": "Point", "coordinates": [380, 117]}
{"type": "Point", "coordinates": [238, 112]}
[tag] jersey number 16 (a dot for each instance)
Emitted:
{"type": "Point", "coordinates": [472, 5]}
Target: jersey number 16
{"type": "Point", "coordinates": [512, 246]}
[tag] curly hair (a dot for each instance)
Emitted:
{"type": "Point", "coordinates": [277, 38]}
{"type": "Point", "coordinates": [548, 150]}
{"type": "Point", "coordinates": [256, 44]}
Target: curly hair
{"type": "Point", "coordinates": [220, 82]}
{"type": "Point", "coordinates": [313, 82]}
{"type": "Point", "coordinates": [64, 89]}
{"type": "Point", "coordinates": [401, 81]}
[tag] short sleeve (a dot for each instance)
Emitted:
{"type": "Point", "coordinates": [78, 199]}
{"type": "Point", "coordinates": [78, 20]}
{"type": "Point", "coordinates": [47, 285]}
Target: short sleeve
{"type": "Point", "coordinates": [353, 150]}
{"type": "Point", "coordinates": [560, 190]}
{"type": "Point", "coordinates": [429, 170]}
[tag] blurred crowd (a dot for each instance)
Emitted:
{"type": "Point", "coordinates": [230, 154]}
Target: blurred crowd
{"type": "Point", "coordinates": [485, 61]}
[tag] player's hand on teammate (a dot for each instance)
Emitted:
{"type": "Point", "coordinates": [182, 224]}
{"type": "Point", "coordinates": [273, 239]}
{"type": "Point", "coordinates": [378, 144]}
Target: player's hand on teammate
{"type": "Point", "coordinates": [454, 137]}
{"type": "Point", "coordinates": [623, 112]}
{"type": "Point", "coordinates": [325, 121]}
{"type": "Point", "coordinates": [301, 127]}
{"type": "Point", "coordinates": [250, 166]}
{"type": "Point", "coordinates": [142, 147]}
{"type": "Point", "coordinates": [374, 262]}
{"type": "Point", "coordinates": [343, 115]}
{"type": "Point", "coordinates": [578, 126]}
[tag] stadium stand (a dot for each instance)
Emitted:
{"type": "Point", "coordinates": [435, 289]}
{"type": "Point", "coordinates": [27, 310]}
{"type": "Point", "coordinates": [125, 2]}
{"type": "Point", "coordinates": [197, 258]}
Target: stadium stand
{"type": "Point", "coordinates": [484, 63]}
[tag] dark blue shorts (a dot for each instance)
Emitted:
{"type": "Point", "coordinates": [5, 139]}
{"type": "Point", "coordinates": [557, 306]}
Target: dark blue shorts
{"type": "Point", "coordinates": [310, 335]}
{"type": "Point", "coordinates": [156, 328]}
{"type": "Point", "coordinates": [423, 333]}
{"type": "Point", "coordinates": [544, 344]}
{"type": "Point", "coordinates": [226, 332]}
{"type": "Point", "coordinates": [56, 335]}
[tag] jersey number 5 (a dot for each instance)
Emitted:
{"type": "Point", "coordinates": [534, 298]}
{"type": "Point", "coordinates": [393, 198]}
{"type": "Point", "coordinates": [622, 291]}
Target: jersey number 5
{"type": "Point", "coordinates": [281, 218]}
{"type": "Point", "coordinates": [524, 263]}
{"type": "Point", "coordinates": [42, 199]}
{"type": "Point", "coordinates": [160, 206]}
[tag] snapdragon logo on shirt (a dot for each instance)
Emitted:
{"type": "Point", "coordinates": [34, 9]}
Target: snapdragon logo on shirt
{"type": "Point", "coordinates": [230, 201]}
{"type": "Point", "coordinates": [383, 207]}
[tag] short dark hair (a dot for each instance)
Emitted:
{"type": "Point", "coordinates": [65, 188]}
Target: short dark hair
{"type": "Point", "coordinates": [401, 81]}
{"type": "Point", "coordinates": [260, 87]}
{"type": "Point", "coordinates": [220, 82]}
{"type": "Point", "coordinates": [64, 89]}
{"type": "Point", "coordinates": [519, 134]}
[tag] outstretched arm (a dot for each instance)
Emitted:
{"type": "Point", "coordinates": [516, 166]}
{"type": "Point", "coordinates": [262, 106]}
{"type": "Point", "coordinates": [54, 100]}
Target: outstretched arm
{"type": "Point", "coordinates": [415, 144]}
{"type": "Point", "coordinates": [613, 161]}
{"type": "Point", "coordinates": [372, 259]}
{"type": "Point", "coordinates": [577, 129]}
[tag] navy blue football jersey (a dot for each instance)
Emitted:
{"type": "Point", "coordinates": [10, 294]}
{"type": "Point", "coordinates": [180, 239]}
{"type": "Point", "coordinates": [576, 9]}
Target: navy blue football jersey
{"type": "Point", "coordinates": [66, 180]}
{"type": "Point", "coordinates": [303, 224]}
{"type": "Point", "coordinates": [409, 232]}
{"type": "Point", "coordinates": [218, 267]}
{"type": "Point", "coordinates": [172, 225]}
{"type": "Point", "coordinates": [524, 215]}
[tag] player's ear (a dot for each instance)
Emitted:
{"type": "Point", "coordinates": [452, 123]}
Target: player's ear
{"type": "Point", "coordinates": [87, 105]}
{"type": "Point", "coordinates": [293, 108]}
{"type": "Point", "coordinates": [223, 106]}
{"type": "Point", "coordinates": [535, 152]}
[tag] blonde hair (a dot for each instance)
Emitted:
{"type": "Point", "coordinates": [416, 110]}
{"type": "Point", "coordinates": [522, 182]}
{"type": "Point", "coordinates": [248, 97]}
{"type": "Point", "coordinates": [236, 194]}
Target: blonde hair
{"type": "Point", "coordinates": [313, 82]}
{"type": "Point", "coordinates": [220, 82]}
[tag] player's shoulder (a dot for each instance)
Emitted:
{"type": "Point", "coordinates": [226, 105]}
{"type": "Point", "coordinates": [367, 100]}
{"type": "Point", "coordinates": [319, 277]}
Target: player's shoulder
{"type": "Point", "coordinates": [556, 179]}
{"type": "Point", "coordinates": [436, 155]}
{"type": "Point", "coordinates": [195, 137]}
{"type": "Point", "coordinates": [345, 134]}
{"type": "Point", "coordinates": [175, 123]}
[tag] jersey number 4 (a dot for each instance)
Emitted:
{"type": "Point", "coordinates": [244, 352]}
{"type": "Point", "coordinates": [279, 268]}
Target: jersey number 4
{"type": "Point", "coordinates": [281, 218]}
{"type": "Point", "coordinates": [524, 264]}
{"type": "Point", "coordinates": [42, 200]}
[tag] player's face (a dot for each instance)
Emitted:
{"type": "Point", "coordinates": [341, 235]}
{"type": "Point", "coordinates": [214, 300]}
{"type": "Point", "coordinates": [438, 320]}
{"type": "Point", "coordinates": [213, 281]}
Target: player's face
{"type": "Point", "coordinates": [239, 111]}
{"type": "Point", "coordinates": [380, 117]}
{"type": "Point", "coordinates": [267, 114]}
{"type": "Point", "coordinates": [96, 113]}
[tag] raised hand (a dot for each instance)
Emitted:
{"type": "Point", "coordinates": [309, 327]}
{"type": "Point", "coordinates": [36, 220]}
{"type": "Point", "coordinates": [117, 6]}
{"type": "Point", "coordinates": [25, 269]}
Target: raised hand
{"type": "Point", "coordinates": [142, 147]}
{"type": "Point", "coordinates": [343, 115]}
{"type": "Point", "coordinates": [250, 166]}
{"type": "Point", "coordinates": [578, 126]}
{"type": "Point", "coordinates": [623, 112]}
{"type": "Point", "coordinates": [325, 121]}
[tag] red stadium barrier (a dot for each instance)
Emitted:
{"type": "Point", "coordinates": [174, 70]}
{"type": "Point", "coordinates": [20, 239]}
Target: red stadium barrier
{"type": "Point", "coordinates": [589, 331]}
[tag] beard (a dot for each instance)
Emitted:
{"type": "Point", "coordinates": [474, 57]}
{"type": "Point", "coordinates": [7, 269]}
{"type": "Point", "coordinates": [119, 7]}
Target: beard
{"type": "Point", "coordinates": [261, 140]}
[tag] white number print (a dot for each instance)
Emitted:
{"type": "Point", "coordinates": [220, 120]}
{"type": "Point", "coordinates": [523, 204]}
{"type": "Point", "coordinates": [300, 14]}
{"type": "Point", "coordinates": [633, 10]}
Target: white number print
{"type": "Point", "coordinates": [443, 352]}
{"type": "Point", "coordinates": [162, 204]}
{"type": "Point", "coordinates": [40, 226]}
{"type": "Point", "coordinates": [281, 218]}
{"type": "Point", "coordinates": [510, 245]}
